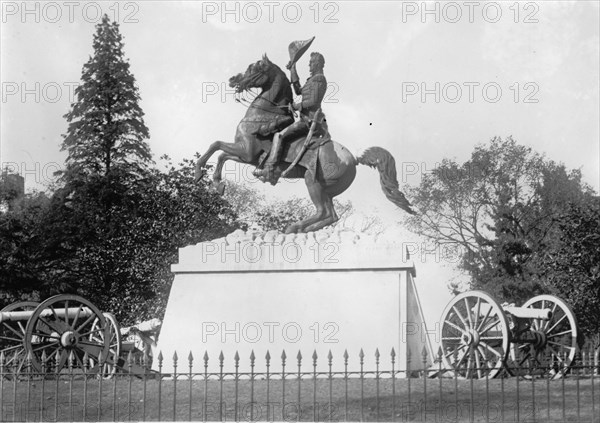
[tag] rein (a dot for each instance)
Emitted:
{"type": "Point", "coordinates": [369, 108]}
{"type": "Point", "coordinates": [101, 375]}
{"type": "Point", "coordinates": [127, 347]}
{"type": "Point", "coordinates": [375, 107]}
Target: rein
{"type": "Point", "coordinates": [277, 109]}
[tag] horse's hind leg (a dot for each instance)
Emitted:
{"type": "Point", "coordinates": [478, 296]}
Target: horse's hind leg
{"type": "Point", "coordinates": [329, 219]}
{"type": "Point", "coordinates": [324, 215]}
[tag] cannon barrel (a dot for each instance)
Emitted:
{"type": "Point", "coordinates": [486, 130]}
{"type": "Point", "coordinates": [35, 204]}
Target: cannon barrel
{"type": "Point", "coordinates": [23, 316]}
{"type": "Point", "coordinates": [529, 313]}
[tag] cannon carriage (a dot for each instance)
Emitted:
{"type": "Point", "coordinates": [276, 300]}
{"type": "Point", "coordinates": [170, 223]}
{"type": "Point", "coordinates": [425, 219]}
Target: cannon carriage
{"type": "Point", "coordinates": [480, 338]}
{"type": "Point", "coordinates": [64, 331]}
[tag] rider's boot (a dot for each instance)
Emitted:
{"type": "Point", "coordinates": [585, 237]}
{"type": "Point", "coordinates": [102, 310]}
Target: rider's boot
{"type": "Point", "coordinates": [268, 173]}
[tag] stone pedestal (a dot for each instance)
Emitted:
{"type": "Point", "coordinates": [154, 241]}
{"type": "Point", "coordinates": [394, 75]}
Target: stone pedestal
{"type": "Point", "coordinates": [326, 291]}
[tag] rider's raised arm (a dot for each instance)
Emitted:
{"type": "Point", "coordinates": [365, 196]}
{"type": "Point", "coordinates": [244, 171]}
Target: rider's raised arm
{"type": "Point", "coordinates": [295, 80]}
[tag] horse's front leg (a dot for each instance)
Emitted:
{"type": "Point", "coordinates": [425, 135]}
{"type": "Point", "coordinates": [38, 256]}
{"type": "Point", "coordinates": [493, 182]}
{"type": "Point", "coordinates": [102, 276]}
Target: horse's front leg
{"type": "Point", "coordinates": [236, 150]}
{"type": "Point", "coordinates": [218, 184]}
{"type": "Point", "coordinates": [201, 163]}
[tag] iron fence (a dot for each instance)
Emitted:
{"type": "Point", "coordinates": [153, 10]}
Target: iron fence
{"type": "Point", "coordinates": [299, 388]}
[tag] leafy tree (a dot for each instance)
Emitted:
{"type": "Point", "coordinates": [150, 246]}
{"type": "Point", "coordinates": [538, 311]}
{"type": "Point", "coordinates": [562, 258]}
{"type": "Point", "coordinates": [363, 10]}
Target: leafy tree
{"type": "Point", "coordinates": [113, 227]}
{"type": "Point", "coordinates": [572, 266]}
{"type": "Point", "coordinates": [502, 208]}
{"type": "Point", "coordinates": [22, 262]}
{"type": "Point", "coordinates": [126, 269]}
{"type": "Point", "coordinates": [106, 134]}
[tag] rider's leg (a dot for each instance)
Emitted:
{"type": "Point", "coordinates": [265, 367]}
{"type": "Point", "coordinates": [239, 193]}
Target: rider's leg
{"type": "Point", "coordinates": [296, 129]}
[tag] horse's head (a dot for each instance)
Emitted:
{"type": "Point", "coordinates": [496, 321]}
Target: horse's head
{"type": "Point", "coordinates": [258, 75]}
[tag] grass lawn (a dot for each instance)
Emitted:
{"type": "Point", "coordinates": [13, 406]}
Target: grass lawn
{"type": "Point", "coordinates": [446, 400]}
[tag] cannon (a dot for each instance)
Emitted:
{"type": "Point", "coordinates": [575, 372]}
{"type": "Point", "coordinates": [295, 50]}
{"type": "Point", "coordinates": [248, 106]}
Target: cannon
{"type": "Point", "coordinates": [63, 331]}
{"type": "Point", "coordinates": [479, 337]}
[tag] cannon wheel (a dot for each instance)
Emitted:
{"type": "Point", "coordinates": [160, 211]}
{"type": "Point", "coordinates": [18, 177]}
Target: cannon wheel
{"type": "Point", "coordinates": [114, 341]}
{"type": "Point", "coordinates": [12, 337]}
{"type": "Point", "coordinates": [556, 345]}
{"type": "Point", "coordinates": [475, 335]}
{"type": "Point", "coordinates": [54, 335]}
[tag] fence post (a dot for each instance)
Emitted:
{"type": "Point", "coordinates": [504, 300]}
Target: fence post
{"type": "Point", "coordinates": [361, 356]}
{"type": "Point", "coordinates": [2, 363]}
{"type": "Point", "coordinates": [455, 360]}
{"type": "Point", "coordinates": [299, 358]}
{"type": "Point", "coordinates": [57, 362]}
{"type": "Point", "coordinates": [221, 358]}
{"type": "Point", "coordinates": [268, 358]}
{"type": "Point", "coordinates": [346, 356]}
{"type": "Point", "coordinates": [487, 385]}
{"type": "Point", "coordinates": [205, 411]}
{"type": "Point", "coordinates": [425, 374]}
{"type": "Point", "coordinates": [29, 370]}
{"type": "Point", "coordinates": [548, 377]}
{"type": "Point", "coordinates": [438, 359]}
{"type": "Point", "coordinates": [236, 359]}
{"type": "Point", "coordinates": [563, 373]}
{"type": "Point", "coordinates": [393, 355]}
{"type": "Point", "coordinates": [469, 373]}
{"type": "Point", "coordinates": [130, 376]}
{"type": "Point", "coordinates": [86, 367]}
{"type": "Point", "coordinates": [408, 375]}
{"type": "Point", "coordinates": [314, 358]}
{"type": "Point", "coordinates": [252, 358]}
{"type": "Point", "coordinates": [283, 357]}
{"type": "Point", "coordinates": [330, 363]}
{"type": "Point", "coordinates": [593, 373]}
{"type": "Point", "coordinates": [175, 359]}
{"type": "Point", "coordinates": [160, 365]}
{"type": "Point", "coordinates": [145, 364]}
{"type": "Point", "coordinates": [70, 363]}
{"type": "Point", "coordinates": [377, 384]}
{"type": "Point", "coordinates": [190, 364]}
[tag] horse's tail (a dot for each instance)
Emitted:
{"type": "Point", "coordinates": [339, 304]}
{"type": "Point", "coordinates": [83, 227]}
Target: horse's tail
{"type": "Point", "coordinates": [386, 165]}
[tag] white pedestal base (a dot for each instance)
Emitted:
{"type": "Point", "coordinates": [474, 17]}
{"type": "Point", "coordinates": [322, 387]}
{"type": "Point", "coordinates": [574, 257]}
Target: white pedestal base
{"type": "Point", "coordinates": [359, 298]}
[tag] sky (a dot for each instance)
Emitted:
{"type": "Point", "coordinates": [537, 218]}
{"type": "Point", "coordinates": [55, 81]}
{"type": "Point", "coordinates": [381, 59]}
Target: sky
{"type": "Point", "coordinates": [426, 81]}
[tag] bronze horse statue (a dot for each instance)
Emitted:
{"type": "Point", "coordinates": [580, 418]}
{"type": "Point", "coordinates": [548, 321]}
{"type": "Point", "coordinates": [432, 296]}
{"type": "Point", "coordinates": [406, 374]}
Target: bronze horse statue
{"type": "Point", "coordinates": [328, 168]}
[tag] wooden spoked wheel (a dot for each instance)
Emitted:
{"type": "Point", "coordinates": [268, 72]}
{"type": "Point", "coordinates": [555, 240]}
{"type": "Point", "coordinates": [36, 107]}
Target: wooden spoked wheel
{"type": "Point", "coordinates": [12, 337]}
{"type": "Point", "coordinates": [61, 329]}
{"type": "Point", "coordinates": [113, 339]}
{"type": "Point", "coordinates": [555, 339]}
{"type": "Point", "coordinates": [474, 335]}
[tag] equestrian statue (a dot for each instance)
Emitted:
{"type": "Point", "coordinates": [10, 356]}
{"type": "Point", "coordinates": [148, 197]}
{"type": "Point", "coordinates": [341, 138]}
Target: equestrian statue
{"type": "Point", "coordinates": [271, 139]}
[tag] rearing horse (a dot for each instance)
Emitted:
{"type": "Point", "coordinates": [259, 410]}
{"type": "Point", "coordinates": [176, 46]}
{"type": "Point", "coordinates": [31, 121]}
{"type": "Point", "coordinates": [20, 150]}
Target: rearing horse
{"type": "Point", "coordinates": [328, 168]}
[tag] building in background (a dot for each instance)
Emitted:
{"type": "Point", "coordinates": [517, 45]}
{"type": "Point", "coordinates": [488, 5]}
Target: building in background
{"type": "Point", "coordinates": [12, 188]}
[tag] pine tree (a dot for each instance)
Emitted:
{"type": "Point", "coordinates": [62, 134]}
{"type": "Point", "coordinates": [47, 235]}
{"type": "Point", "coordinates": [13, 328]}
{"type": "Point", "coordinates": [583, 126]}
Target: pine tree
{"type": "Point", "coordinates": [106, 134]}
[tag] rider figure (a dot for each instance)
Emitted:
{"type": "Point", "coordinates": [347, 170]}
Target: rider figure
{"type": "Point", "coordinates": [312, 93]}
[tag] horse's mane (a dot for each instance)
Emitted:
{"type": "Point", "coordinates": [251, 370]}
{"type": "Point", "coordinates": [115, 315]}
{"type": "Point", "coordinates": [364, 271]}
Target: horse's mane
{"type": "Point", "coordinates": [281, 74]}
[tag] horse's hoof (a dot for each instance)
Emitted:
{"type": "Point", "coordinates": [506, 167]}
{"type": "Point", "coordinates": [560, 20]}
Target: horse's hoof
{"type": "Point", "coordinates": [218, 187]}
{"type": "Point", "coordinates": [292, 229]}
{"type": "Point", "coordinates": [199, 173]}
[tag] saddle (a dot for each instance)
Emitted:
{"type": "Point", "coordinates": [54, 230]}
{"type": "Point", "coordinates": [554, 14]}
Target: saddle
{"type": "Point", "coordinates": [291, 150]}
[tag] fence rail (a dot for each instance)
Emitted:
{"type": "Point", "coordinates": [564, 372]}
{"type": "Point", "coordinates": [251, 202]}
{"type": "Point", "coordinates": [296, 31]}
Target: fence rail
{"type": "Point", "coordinates": [299, 389]}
